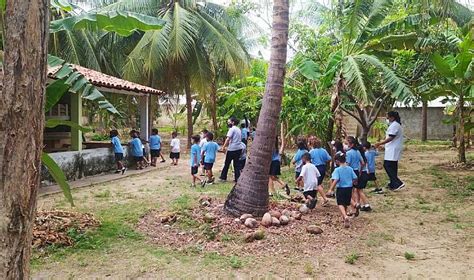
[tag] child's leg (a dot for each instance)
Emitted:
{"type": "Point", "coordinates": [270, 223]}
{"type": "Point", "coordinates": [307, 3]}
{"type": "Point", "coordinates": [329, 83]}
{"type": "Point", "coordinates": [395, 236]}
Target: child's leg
{"type": "Point", "coordinates": [271, 188]}
{"type": "Point", "coordinates": [343, 210]}
{"type": "Point", "coordinates": [322, 193]}
{"type": "Point", "coordinates": [280, 181]}
{"type": "Point", "coordinates": [362, 197]}
{"type": "Point", "coordinates": [119, 165]}
{"type": "Point", "coordinates": [355, 195]}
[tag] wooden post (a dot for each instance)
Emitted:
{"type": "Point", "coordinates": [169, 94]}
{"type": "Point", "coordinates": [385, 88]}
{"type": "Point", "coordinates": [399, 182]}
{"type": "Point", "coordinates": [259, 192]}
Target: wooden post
{"type": "Point", "coordinates": [76, 116]}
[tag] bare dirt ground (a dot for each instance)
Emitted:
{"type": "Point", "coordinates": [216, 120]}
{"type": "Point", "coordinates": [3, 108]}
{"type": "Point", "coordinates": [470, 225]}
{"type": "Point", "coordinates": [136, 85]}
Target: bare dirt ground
{"type": "Point", "coordinates": [424, 231]}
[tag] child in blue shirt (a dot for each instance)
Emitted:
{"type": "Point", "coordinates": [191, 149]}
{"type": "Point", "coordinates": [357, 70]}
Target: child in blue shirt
{"type": "Point", "coordinates": [370, 154]}
{"type": "Point", "coordinates": [136, 149]}
{"type": "Point", "coordinates": [118, 151]}
{"type": "Point", "coordinates": [275, 171]}
{"type": "Point", "coordinates": [244, 133]}
{"type": "Point", "coordinates": [319, 158]}
{"type": "Point", "coordinates": [209, 149]}
{"type": "Point", "coordinates": [155, 147]}
{"type": "Point", "coordinates": [344, 178]}
{"type": "Point", "coordinates": [195, 159]}
{"type": "Point", "coordinates": [297, 161]}
{"type": "Point", "coordinates": [355, 160]}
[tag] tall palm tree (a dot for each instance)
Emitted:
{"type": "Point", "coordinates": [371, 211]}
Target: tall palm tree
{"type": "Point", "coordinates": [250, 194]}
{"type": "Point", "coordinates": [178, 58]}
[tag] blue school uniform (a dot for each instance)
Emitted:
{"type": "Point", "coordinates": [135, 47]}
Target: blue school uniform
{"type": "Point", "coordinates": [344, 176]}
{"type": "Point", "coordinates": [155, 142]}
{"type": "Point", "coordinates": [319, 156]}
{"type": "Point", "coordinates": [297, 158]}
{"type": "Point", "coordinates": [195, 155]}
{"type": "Point", "coordinates": [136, 147]}
{"type": "Point", "coordinates": [210, 150]}
{"type": "Point", "coordinates": [370, 156]}
{"type": "Point", "coordinates": [118, 149]}
{"type": "Point", "coordinates": [276, 156]}
{"type": "Point", "coordinates": [245, 133]}
{"type": "Point", "coordinates": [353, 159]}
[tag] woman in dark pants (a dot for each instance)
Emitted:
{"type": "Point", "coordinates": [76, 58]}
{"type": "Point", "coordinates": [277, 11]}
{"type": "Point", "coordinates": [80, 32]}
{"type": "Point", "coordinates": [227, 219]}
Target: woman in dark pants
{"type": "Point", "coordinates": [393, 150]}
{"type": "Point", "coordinates": [232, 148]}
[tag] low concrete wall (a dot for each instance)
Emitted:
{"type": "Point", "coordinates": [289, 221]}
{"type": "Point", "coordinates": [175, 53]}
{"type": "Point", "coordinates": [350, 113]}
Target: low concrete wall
{"type": "Point", "coordinates": [437, 130]}
{"type": "Point", "coordinates": [77, 165]}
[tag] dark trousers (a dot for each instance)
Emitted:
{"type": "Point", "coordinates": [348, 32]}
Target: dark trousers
{"type": "Point", "coordinates": [231, 156]}
{"type": "Point", "coordinates": [391, 167]}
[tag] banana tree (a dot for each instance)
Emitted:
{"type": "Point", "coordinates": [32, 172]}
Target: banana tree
{"type": "Point", "coordinates": [457, 73]}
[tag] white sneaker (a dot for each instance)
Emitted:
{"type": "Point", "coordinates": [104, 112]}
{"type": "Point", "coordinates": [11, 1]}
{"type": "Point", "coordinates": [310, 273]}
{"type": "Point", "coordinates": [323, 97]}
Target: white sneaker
{"type": "Point", "coordinates": [400, 187]}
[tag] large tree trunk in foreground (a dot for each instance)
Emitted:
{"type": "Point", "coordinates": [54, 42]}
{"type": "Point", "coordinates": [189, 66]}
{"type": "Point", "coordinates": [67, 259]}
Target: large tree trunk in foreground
{"type": "Point", "coordinates": [21, 130]}
{"type": "Point", "coordinates": [424, 120]}
{"type": "Point", "coordinates": [461, 138]}
{"type": "Point", "coordinates": [189, 111]}
{"type": "Point", "coordinates": [250, 194]}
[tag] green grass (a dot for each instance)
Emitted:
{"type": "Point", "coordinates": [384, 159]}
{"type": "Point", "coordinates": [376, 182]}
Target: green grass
{"type": "Point", "coordinates": [457, 187]}
{"type": "Point", "coordinates": [351, 258]}
{"type": "Point", "coordinates": [417, 142]}
{"type": "Point", "coordinates": [182, 203]}
{"type": "Point", "coordinates": [409, 256]}
{"type": "Point", "coordinates": [235, 262]}
{"type": "Point", "coordinates": [308, 269]}
{"type": "Point", "coordinates": [103, 194]}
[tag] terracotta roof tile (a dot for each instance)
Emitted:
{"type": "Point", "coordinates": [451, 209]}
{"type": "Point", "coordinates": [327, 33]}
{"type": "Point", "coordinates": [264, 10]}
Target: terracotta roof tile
{"type": "Point", "coordinates": [103, 80]}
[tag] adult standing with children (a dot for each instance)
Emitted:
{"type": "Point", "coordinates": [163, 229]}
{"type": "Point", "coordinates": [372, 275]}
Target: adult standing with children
{"type": "Point", "coordinates": [232, 148]}
{"type": "Point", "coordinates": [393, 150]}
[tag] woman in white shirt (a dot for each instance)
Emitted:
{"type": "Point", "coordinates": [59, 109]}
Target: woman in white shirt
{"type": "Point", "coordinates": [393, 150]}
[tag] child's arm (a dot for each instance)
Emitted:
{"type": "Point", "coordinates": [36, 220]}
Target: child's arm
{"type": "Point", "coordinates": [299, 179]}
{"type": "Point", "coordinates": [333, 183]}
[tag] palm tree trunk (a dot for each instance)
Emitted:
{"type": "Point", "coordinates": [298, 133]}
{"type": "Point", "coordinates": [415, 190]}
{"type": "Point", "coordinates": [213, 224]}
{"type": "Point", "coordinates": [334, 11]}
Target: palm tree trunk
{"type": "Point", "coordinates": [250, 194]}
{"type": "Point", "coordinates": [189, 111]}
{"type": "Point", "coordinates": [424, 121]}
{"type": "Point", "coordinates": [21, 130]}
{"type": "Point", "coordinates": [214, 105]}
{"type": "Point", "coordinates": [461, 138]}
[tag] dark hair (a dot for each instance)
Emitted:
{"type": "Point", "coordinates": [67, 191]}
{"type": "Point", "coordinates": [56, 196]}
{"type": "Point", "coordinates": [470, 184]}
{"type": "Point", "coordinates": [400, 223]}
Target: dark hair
{"type": "Point", "coordinates": [113, 133]}
{"type": "Point", "coordinates": [154, 131]}
{"type": "Point", "coordinates": [301, 144]}
{"type": "Point", "coordinates": [395, 115]}
{"type": "Point", "coordinates": [306, 156]}
{"type": "Point", "coordinates": [210, 136]}
{"type": "Point", "coordinates": [367, 145]}
{"type": "Point", "coordinates": [234, 120]}
{"type": "Point", "coordinates": [357, 146]}
{"type": "Point", "coordinates": [338, 146]}
{"type": "Point", "coordinates": [196, 138]}
{"type": "Point", "coordinates": [174, 134]}
{"type": "Point", "coordinates": [242, 125]}
{"type": "Point", "coordinates": [341, 157]}
{"type": "Point", "coordinates": [316, 142]}
{"type": "Point", "coordinates": [205, 131]}
{"type": "Point", "coordinates": [253, 129]}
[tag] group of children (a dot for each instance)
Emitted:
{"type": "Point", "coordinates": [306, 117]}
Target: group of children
{"type": "Point", "coordinates": [203, 152]}
{"type": "Point", "coordinates": [354, 167]}
{"type": "Point", "coordinates": [138, 151]}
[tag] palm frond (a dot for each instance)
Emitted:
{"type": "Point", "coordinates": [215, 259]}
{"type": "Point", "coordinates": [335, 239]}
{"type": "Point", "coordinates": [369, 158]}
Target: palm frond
{"type": "Point", "coordinates": [392, 82]}
{"type": "Point", "coordinates": [379, 11]}
{"type": "Point", "coordinates": [355, 17]}
{"type": "Point", "coordinates": [355, 79]}
{"type": "Point", "coordinates": [182, 33]}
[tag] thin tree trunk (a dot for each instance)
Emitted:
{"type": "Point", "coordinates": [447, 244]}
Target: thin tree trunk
{"type": "Point", "coordinates": [189, 112]}
{"type": "Point", "coordinates": [21, 130]}
{"type": "Point", "coordinates": [424, 121]}
{"type": "Point", "coordinates": [250, 194]}
{"type": "Point", "coordinates": [461, 138]}
{"type": "Point", "coordinates": [214, 105]}
{"type": "Point", "coordinates": [365, 133]}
